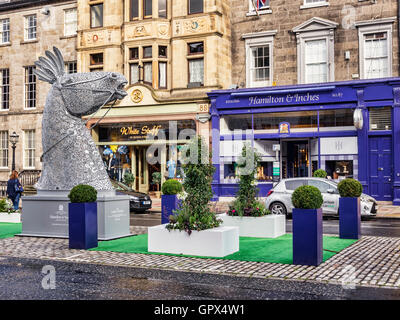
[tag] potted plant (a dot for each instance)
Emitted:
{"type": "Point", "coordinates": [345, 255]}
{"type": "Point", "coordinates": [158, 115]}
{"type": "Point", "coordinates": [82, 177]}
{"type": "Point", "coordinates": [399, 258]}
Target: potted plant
{"type": "Point", "coordinates": [129, 179]}
{"type": "Point", "coordinates": [307, 226]}
{"type": "Point", "coordinates": [195, 229]}
{"type": "Point", "coordinates": [7, 212]}
{"type": "Point", "coordinates": [156, 176]}
{"type": "Point", "coordinates": [320, 173]}
{"type": "Point", "coordinates": [349, 209]}
{"type": "Point", "coordinates": [82, 217]}
{"type": "Point", "coordinates": [247, 212]}
{"type": "Point", "coordinates": [169, 199]}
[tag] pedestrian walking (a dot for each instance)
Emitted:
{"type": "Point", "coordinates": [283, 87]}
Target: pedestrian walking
{"type": "Point", "coordinates": [14, 189]}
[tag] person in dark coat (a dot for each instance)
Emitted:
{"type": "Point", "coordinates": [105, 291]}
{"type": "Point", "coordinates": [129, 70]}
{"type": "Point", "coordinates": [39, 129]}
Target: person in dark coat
{"type": "Point", "coordinates": [14, 188]}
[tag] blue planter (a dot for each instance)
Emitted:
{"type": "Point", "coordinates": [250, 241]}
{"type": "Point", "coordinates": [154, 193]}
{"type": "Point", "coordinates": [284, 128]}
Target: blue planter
{"type": "Point", "coordinates": [349, 218]}
{"type": "Point", "coordinates": [307, 237]}
{"type": "Point", "coordinates": [82, 225]}
{"type": "Point", "coordinates": [168, 203]}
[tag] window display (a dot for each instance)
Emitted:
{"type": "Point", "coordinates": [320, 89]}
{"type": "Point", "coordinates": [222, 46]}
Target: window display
{"type": "Point", "coordinates": [339, 169]}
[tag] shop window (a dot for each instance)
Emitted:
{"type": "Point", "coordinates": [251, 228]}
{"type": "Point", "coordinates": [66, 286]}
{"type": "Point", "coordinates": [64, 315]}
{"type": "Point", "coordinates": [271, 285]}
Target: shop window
{"type": "Point", "coordinates": [195, 6]}
{"type": "Point", "coordinates": [336, 118]}
{"type": "Point", "coordinates": [96, 15]}
{"type": "Point", "coordinates": [162, 8]}
{"type": "Point", "coordinates": [314, 166]}
{"type": "Point", "coordinates": [299, 121]}
{"type": "Point", "coordinates": [339, 169]}
{"type": "Point", "coordinates": [264, 171]}
{"type": "Point", "coordinates": [236, 122]}
{"type": "Point", "coordinates": [380, 118]}
{"type": "Point", "coordinates": [231, 171]}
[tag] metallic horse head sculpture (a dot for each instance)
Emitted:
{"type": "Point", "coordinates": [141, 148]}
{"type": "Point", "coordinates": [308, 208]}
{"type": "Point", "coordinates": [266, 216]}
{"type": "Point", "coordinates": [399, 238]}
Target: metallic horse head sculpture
{"type": "Point", "coordinates": [70, 156]}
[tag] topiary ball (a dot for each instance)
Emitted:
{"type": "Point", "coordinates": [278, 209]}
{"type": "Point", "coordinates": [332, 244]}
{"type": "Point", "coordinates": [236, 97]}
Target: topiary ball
{"type": "Point", "coordinates": [171, 186]}
{"type": "Point", "coordinates": [350, 188]}
{"type": "Point", "coordinates": [82, 193]}
{"type": "Point", "coordinates": [307, 197]}
{"type": "Point", "coordinates": [320, 173]}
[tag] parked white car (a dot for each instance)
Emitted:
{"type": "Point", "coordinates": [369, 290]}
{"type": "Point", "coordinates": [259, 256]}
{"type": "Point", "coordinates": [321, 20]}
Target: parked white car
{"type": "Point", "coordinates": [279, 198]}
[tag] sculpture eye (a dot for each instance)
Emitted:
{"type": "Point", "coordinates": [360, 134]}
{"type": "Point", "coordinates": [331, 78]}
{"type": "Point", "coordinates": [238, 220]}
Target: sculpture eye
{"type": "Point", "coordinates": [114, 75]}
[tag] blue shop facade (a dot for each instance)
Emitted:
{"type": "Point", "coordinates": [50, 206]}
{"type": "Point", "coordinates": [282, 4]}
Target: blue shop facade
{"type": "Point", "coordinates": [349, 129]}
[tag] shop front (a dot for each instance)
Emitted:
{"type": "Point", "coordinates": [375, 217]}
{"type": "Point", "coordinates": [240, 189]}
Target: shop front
{"type": "Point", "coordinates": [349, 129]}
{"type": "Point", "coordinates": [145, 138]}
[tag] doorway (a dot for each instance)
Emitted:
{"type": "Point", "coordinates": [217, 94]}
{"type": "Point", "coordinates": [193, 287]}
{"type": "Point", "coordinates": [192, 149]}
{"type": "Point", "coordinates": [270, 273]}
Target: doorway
{"type": "Point", "coordinates": [295, 159]}
{"type": "Point", "coordinates": [380, 168]}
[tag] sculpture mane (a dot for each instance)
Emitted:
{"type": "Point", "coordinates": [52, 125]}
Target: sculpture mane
{"type": "Point", "coordinates": [70, 156]}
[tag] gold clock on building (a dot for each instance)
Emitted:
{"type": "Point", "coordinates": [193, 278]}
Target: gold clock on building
{"type": "Point", "coordinates": [136, 96]}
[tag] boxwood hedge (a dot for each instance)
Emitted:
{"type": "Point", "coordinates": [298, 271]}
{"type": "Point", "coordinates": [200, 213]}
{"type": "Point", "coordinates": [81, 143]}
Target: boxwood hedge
{"type": "Point", "coordinates": [307, 197]}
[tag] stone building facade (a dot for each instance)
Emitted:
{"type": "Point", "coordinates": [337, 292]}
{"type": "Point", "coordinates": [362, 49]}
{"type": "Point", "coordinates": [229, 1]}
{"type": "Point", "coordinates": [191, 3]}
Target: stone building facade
{"type": "Point", "coordinates": [172, 53]}
{"type": "Point", "coordinates": [285, 26]}
{"type": "Point", "coordinates": [27, 29]}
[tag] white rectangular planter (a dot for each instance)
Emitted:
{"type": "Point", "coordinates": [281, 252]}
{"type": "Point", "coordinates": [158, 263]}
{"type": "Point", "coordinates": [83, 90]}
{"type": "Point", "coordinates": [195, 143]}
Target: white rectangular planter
{"type": "Point", "coordinates": [215, 242]}
{"type": "Point", "coordinates": [269, 226]}
{"type": "Point", "coordinates": [10, 217]}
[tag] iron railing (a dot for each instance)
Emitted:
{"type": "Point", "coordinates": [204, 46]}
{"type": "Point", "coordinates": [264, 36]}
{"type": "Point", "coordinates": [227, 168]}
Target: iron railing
{"type": "Point", "coordinates": [29, 177]}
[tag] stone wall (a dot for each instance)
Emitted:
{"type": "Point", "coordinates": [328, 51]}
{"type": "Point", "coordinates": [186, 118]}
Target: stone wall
{"type": "Point", "coordinates": [287, 14]}
{"type": "Point", "coordinates": [19, 54]}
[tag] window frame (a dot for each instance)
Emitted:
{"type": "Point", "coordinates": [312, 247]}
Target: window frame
{"type": "Point", "coordinates": [303, 37]}
{"type": "Point", "coordinates": [74, 68]}
{"type": "Point", "coordinates": [144, 9]}
{"type": "Point", "coordinates": [371, 29]}
{"type": "Point", "coordinates": [252, 10]}
{"type": "Point", "coordinates": [27, 148]}
{"type": "Point", "coordinates": [314, 4]}
{"type": "Point", "coordinates": [192, 57]}
{"type": "Point", "coordinates": [166, 9]}
{"type": "Point", "coordinates": [259, 40]}
{"type": "Point", "coordinates": [2, 87]}
{"type": "Point", "coordinates": [26, 87]}
{"type": "Point", "coordinates": [2, 32]}
{"type": "Point", "coordinates": [91, 15]}
{"type": "Point", "coordinates": [188, 8]}
{"type": "Point", "coordinates": [70, 23]}
{"type": "Point", "coordinates": [4, 149]}
{"type": "Point", "coordinates": [131, 17]}
{"type": "Point", "coordinates": [27, 27]}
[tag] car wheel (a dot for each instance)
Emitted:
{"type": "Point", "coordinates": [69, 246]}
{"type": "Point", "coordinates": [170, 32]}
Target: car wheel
{"type": "Point", "coordinates": [278, 208]}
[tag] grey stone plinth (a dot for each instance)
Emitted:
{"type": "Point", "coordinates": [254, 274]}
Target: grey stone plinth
{"type": "Point", "coordinates": [46, 215]}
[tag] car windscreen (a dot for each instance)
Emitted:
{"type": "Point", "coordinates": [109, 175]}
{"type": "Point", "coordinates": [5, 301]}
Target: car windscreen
{"type": "Point", "coordinates": [294, 184]}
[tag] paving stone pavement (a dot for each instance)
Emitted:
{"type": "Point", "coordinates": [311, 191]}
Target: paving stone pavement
{"type": "Point", "coordinates": [372, 261]}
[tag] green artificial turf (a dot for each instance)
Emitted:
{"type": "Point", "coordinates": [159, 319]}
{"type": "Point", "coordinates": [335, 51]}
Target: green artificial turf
{"type": "Point", "coordinates": [8, 230]}
{"type": "Point", "coordinates": [278, 250]}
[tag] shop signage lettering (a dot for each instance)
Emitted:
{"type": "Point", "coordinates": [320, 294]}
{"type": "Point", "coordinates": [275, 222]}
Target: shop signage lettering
{"type": "Point", "coordinates": [289, 98]}
{"type": "Point", "coordinates": [145, 130]}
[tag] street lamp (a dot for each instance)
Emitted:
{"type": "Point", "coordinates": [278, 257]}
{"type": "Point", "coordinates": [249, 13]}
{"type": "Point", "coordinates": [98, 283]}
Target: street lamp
{"type": "Point", "coordinates": [14, 140]}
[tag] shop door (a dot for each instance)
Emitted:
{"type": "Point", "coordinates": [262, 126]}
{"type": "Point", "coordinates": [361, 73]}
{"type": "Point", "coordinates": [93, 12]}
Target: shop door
{"type": "Point", "coordinates": [142, 179]}
{"type": "Point", "coordinates": [297, 159]}
{"type": "Point", "coordinates": [380, 168]}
